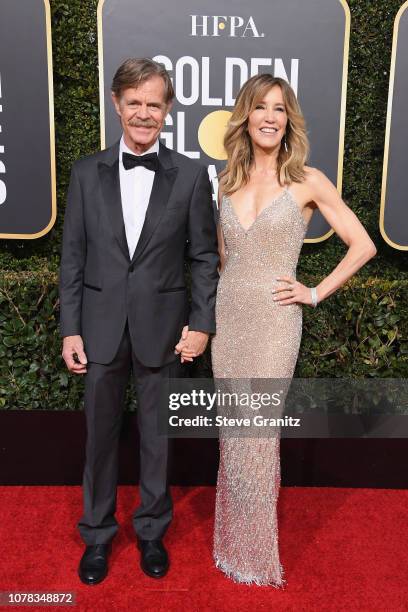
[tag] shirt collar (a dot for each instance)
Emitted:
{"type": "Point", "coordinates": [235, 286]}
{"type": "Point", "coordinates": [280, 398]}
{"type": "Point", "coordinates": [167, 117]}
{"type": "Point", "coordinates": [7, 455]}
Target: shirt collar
{"type": "Point", "coordinates": [123, 148]}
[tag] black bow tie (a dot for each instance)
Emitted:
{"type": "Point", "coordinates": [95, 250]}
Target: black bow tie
{"type": "Point", "coordinates": [149, 161]}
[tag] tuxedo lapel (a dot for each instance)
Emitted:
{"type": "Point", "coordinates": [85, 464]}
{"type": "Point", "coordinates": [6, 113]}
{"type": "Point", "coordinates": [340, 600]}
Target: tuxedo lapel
{"type": "Point", "coordinates": [162, 186]}
{"type": "Point", "coordinates": [110, 186]}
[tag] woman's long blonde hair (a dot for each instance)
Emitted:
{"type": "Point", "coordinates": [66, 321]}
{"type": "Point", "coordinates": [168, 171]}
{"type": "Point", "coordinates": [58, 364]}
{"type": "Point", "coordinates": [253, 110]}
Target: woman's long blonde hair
{"type": "Point", "coordinates": [238, 144]}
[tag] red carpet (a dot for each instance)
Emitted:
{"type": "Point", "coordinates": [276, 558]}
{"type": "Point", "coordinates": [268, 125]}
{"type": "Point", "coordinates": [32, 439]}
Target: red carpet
{"type": "Point", "coordinates": [342, 549]}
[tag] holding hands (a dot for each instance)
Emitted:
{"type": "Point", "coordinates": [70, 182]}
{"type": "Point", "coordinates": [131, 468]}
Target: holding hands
{"type": "Point", "coordinates": [191, 344]}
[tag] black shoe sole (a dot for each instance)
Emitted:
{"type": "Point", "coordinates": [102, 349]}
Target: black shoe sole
{"type": "Point", "coordinates": [92, 582]}
{"type": "Point", "coordinates": [154, 575]}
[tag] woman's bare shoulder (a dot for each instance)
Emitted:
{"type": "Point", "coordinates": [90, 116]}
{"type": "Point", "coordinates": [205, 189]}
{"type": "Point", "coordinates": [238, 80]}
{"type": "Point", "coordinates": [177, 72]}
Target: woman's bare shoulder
{"type": "Point", "coordinates": [314, 176]}
{"type": "Point", "coordinates": [316, 181]}
{"type": "Point", "coordinates": [309, 190]}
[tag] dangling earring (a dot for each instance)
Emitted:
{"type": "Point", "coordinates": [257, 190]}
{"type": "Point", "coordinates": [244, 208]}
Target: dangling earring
{"type": "Point", "coordinates": [285, 144]}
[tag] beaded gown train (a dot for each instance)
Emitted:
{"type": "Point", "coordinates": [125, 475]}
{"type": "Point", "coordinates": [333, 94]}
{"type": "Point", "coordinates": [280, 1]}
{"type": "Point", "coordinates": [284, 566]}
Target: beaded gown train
{"type": "Point", "coordinates": [256, 338]}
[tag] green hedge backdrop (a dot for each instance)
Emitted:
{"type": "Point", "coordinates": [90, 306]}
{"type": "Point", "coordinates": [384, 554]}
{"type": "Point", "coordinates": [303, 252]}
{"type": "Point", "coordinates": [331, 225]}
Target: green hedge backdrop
{"type": "Point", "coordinates": [359, 331]}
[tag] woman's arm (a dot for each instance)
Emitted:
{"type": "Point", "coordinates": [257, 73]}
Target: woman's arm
{"type": "Point", "coordinates": [347, 226]}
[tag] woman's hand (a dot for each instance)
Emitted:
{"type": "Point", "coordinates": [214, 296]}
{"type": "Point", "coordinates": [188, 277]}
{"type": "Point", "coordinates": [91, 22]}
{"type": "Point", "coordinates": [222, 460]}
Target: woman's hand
{"type": "Point", "coordinates": [191, 344]}
{"type": "Point", "coordinates": [292, 292]}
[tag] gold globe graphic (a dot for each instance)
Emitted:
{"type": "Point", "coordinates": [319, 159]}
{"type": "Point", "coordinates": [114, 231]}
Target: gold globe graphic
{"type": "Point", "coordinates": [211, 134]}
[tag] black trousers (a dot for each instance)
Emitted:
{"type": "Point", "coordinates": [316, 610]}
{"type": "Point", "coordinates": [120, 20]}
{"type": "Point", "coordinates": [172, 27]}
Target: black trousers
{"type": "Point", "coordinates": [105, 388]}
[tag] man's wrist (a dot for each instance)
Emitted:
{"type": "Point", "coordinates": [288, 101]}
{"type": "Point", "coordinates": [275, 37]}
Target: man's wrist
{"type": "Point", "coordinates": [203, 324]}
{"type": "Point", "coordinates": [200, 331]}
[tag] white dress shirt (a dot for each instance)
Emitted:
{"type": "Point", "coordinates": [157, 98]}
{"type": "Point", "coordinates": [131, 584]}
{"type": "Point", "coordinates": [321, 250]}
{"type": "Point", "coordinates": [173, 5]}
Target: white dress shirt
{"type": "Point", "coordinates": [135, 189]}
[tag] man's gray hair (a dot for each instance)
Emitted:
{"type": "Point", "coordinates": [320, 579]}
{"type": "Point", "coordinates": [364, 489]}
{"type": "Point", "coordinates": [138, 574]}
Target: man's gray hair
{"type": "Point", "coordinates": [135, 71]}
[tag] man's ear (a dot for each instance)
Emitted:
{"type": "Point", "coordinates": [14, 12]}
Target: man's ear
{"type": "Point", "coordinates": [115, 101]}
{"type": "Point", "coordinates": [169, 107]}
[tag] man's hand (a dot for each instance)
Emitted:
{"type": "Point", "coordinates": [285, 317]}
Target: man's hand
{"type": "Point", "coordinates": [73, 346]}
{"type": "Point", "coordinates": [191, 344]}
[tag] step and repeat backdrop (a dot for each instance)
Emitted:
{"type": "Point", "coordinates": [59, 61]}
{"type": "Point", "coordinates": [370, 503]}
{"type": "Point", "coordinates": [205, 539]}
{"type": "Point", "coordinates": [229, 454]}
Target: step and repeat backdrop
{"type": "Point", "coordinates": [209, 50]}
{"type": "Point", "coordinates": [394, 196]}
{"type": "Point", "coordinates": [209, 56]}
{"type": "Point", "coordinates": [27, 155]}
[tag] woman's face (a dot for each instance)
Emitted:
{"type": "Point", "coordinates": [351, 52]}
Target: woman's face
{"type": "Point", "coordinates": [267, 122]}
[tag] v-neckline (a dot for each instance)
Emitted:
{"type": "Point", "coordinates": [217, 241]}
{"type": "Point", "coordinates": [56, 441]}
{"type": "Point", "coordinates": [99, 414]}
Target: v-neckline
{"type": "Point", "coordinates": [284, 190]}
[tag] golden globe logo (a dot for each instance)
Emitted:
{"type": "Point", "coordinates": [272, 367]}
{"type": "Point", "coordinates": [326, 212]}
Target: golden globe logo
{"type": "Point", "coordinates": [233, 26]}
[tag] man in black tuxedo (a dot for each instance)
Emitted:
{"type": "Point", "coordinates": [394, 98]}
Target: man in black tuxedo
{"type": "Point", "coordinates": [133, 212]}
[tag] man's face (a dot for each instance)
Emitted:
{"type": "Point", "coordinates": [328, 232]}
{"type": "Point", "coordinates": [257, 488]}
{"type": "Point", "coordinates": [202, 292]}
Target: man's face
{"type": "Point", "coordinates": [142, 111]}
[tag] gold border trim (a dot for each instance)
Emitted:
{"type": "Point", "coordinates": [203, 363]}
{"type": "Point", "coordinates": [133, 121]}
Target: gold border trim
{"type": "Point", "coordinates": [340, 159]}
{"type": "Point", "coordinates": [101, 76]}
{"type": "Point", "coordinates": [52, 134]}
{"type": "Point", "coordinates": [342, 103]}
{"type": "Point", "coordinates": [388, 129]}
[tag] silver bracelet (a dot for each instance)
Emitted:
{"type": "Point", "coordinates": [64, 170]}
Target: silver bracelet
{"type": "Point", "coordinates": [313, 291]}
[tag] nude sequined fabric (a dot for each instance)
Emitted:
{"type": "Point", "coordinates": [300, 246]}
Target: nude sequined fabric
{"type": "Point", "coordinates": [256, 338]}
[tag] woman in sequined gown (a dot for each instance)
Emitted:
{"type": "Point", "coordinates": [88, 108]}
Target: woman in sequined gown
{"type": "Point", "coordinates": [267, 197]}
{"type": "Point", "coordinates": [255, 338]}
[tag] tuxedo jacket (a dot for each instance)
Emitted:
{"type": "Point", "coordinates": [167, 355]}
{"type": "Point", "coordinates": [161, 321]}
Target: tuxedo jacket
{"type": "Point", "coordinates": [101, 287]}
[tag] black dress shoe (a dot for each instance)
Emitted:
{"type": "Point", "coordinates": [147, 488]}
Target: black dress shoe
{"type": "Point", "coordinates": [93, 567]}
{"type": "Point", "coordinates": [154, 559]}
